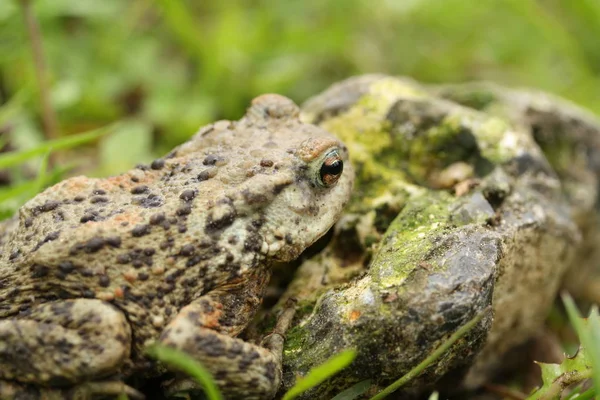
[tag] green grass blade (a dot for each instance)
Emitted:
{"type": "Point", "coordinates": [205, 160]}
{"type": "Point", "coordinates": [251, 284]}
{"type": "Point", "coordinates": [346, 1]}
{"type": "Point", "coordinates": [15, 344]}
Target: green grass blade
{"type": "Point", "coordinates": [181, 361]}
{"type": "Point", "coordinates": [12, 107]}
{"type": "Point", "coordinates": [321, 373]}
{"type": "Point", "coordinates": [42, 175]}
{"type": "Point", "coordinates": [22, 191]}
{"type": "Point", "coordinates": [434, 396]}
{"type": "Point", "coordinates": [462, 331]}
{"type": "Point", "coordinates": [354, 391]}
{"type": "Point", "coordinates": [593, 345]}
{"type": "Point", "coordinates": [588, 335]}
{"type": "Point", "coordinates": [17, 157]}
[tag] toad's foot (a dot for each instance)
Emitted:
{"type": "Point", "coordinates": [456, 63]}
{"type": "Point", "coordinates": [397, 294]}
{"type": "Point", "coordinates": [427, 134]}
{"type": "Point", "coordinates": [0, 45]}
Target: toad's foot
{"type": "Point", "coordinates": [85, 391]}
{"type": "Point", "coordinates": [241, 369]}
{"type": "Point", "coordinates": [64, 342]}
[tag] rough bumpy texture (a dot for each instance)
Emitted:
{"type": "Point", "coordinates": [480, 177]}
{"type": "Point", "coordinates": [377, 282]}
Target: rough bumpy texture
{"type": "Point", "coordinates": [93, 270]}
{"type": "Point", "coordinates": [570, 138]}
{"type": "Point", "coordinates": [455, 210]}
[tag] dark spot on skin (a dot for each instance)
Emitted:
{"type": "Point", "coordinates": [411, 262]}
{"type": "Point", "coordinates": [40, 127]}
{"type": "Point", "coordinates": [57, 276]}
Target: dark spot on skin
{"type": "Point", "coordinates": [256, 224]}
{"type": "Point", "coordinates": [140, 230]}
{"type": "Point", "coordinates": [113, 241]}
{"type": "Point", "coordinates": [210, 344]}
{"type": "Point", "coordinates": [247, 359]}
{"type": "Point", "coordinates": [187, 250]}
{"type": "Point", "coordinates": [190, 282]}
{"type": "Point", "coordinates": [172, 154]}
{"type": "Point", "coordinates": [157, 218]}
{"type": "Point", "coordinates": [51, 236]}
{"type": "Point", "coordinates": [93, 245]}
{"type": "Point", "coordinates": [266, 163]}
{"type": "Point", "coordinates": [137, 263]}
{"type": "Point", "coordinates": [157, 164]}
{"type": "Point", "coordinates": [142, 276]}
{"type": "Point", "coordinates": [184, 210]}
{"type": "Point", "coordinates": [59, 216]}
{"type": "Point", "coordinates": [187, 195]}
{"type": "Point", "coordinates": [213, 225]}
{"type": "Point", "coordinates": [139, 189]}
{"type": "Point", "coordinates": [181, 228]}
{"type": "Point", "coordinates": [79, 199]}
{"type": "Point", "coordinates": [39, 271]}
{"type": "Point", "coordinates": [270, 370]}
{"type": "Point", "coordinates": [66, 267]}
{"type": "Point", "coordinates": [86, 272]}
{"type": "Point", "coordinates": [289, 239]}
{"type": "Point", "coordinates": [253, 198]}
{"type": "Point", "coordinates": [99, 199]}
{"type": "Point", "coordinates": [28, 222]}
{"type": "Point", "coordinates": [48, 206]}
{"type": "Point", "coordinates": [142, 167]}
{"type": "Point", "coordinates": [103, 281]}
{"type": "Point", "coordinates": [206, 174]}
{"type": "Point", "coordinates": [149, 252]}
{"type": "Point", "coordinates": [210, 159]}
{"type": "Point", "coordinates": [194, 261]}
{"type": "Point", "coordinates": [99, 192]}
{"type": "Point", "coordinates": [14, 255]}
{"type": "Point", "coordinates": [168, 288]}
{"type": "Point", "coordinates": [152, 201]}
{"type": "Point", "coordinates": [229, 257]}
{"type": "Point", "coordinates": [91, 216]}
{"type": "Point", "coordinates": [170, 278]}
{"type": "Point", "coordinates": [253, 243]}
{"type": "Point", "coordinates": [123, 259]}
{"type": "Point", "coordinates": [221, 375]}
{"type": "Point", "coordinates": [279, 187]}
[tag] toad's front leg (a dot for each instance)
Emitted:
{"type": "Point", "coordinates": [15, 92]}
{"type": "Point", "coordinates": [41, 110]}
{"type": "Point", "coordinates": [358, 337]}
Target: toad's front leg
{"type": "Point", "coordinates": [203, 330]}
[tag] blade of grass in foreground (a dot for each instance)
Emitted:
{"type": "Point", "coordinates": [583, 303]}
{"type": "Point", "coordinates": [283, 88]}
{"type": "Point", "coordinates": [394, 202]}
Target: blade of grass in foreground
{"type": "Point", "coordinates": [413, 373]}
{"type": "Point", "coordinates": [354, 391]}
{"type": "Point", "coordinates": [321, 373]}
{"type": "Point", "coordinates": [187, 364]}
{"type": "Point", "coordinates": [17, 157]}
{"type": "Point", "coordinates": [588, 335]}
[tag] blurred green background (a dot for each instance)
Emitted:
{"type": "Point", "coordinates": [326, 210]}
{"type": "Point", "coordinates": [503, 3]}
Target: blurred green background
{"type": "Point", "coordinates": [165, 67]}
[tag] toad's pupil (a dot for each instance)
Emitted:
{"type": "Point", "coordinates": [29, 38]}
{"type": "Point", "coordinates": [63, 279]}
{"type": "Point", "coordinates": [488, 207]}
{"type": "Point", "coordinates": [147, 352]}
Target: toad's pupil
{"type": "Point", "coordinates": [331, 171]}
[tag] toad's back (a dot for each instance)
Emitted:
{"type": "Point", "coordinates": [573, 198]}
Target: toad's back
{"type": "Point", "coordinates": [157, 237]}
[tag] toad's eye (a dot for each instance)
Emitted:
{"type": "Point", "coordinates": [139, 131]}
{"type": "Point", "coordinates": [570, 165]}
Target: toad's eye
{"type": "Point", "coordinates": [331, 169]}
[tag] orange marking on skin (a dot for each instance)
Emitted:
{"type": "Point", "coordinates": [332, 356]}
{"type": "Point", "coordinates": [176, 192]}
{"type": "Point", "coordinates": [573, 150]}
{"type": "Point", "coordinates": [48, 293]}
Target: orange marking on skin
{"type": "Point", "coordinates": [354, 315]}
{"type": "Point", "coordinates": [314, 147]}
{"type": "Point", "coordinates": [130, 276]}
{"type": "Point", "coordinates": [127, 217]}
{"type": "Point", "coordinates": [119, 293]}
